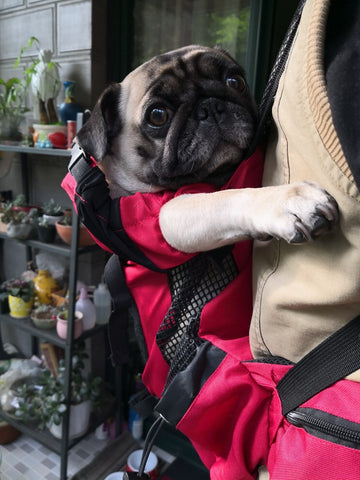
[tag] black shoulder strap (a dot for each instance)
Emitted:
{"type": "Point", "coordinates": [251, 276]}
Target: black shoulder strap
{"type": "Point", "coordinates": [273, 82]}
{"type": "Point", "coordinates": [123, 309]}
{"type": "Point", "coordinates": [101, 214]}
{"type": "Point", "coordinates": [119, 318]}
{"type": "Point", "coordinates": [335, 358]}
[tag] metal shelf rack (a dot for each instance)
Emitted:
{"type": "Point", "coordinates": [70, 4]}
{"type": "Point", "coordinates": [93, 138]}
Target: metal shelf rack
{"type": "Point", "coordinates": [71, 252]}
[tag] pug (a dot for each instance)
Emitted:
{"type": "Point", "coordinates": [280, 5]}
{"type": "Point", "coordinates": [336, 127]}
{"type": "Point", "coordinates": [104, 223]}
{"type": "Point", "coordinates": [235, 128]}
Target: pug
{"type": "Point", "coordinates": [185, 117]}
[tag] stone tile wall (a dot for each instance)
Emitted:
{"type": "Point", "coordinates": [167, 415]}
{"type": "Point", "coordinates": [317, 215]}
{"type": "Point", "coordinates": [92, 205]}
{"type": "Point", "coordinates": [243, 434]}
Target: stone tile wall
{"type": "Point", "coordinates": [67, 27]}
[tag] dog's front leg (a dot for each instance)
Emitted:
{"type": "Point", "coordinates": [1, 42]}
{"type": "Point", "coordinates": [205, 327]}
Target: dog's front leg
{"type": "Point", "coordinates": [297, 213]}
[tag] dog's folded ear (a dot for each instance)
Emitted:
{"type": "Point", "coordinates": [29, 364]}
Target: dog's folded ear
{"type": "Point", "coordinates": [104, 124]}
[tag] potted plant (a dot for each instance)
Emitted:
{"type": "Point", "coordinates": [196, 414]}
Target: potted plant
{"type": "Point", "coordinates": [52, 211]}
{"type": "Point", "coordinates": [20, 204]}
{"type": "Point", "coordinates": [20, 223]}
{"type": "Point", "coordinates": [46, 230]}
{"type": "Point", "coordinates": [62, 324]}
{"type": "Point", "coordinates": [27, 400]}
{"type": "Point", "coordinates": [44, 316]}
{"type": "Point", "coordinates": [45, 402]}
{"type": "Point", "coordinates": [21, 297]}
{"type": "Point", "coordinates": [64, 230]}
{"type": "Point", "coordinates": [45, 82]}
{"type": "Point", "coordinates": [86, 395]}
{"type": "Point", "coordinates": [12, 100]}
{"type": "Point", "coordinates": [3, 225]}
{"type": "Point", "coordinates": [43, 75]}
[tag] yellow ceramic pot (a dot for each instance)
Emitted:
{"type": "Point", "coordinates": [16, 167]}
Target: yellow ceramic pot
{"type": "Point", "coordinates": [45, 286]}
{"type": "Point", "coordinates": [19, 308]}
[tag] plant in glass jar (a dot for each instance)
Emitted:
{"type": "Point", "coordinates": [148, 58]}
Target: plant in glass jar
{"type": "Point", "coordinates": [29, 403]}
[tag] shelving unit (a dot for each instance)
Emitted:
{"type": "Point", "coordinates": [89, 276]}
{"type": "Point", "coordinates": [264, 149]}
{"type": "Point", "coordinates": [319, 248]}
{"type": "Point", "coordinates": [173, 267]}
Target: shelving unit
{"type": "Point", "coordinates": [71, 252]}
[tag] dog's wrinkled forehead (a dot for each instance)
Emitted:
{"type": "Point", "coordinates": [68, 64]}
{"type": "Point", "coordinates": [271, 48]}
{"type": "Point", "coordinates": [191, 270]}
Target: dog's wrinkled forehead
{"type": "Point", "coordinates": [163, 75]}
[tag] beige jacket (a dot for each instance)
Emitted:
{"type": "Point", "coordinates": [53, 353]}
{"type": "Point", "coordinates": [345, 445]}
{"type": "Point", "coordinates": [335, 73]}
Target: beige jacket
{"type": "Point", "coordinates": [304, 293]}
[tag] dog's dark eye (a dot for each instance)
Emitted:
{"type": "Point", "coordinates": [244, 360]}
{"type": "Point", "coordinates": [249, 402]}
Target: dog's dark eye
{"type": "Point", "coordinates": [158, 116]}
{"type": "Point", "coordinates": [237, 82]}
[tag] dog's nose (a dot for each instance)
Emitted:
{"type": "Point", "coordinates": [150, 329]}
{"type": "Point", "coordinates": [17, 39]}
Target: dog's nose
{"type": "Point", "coordinates": [210, 110]}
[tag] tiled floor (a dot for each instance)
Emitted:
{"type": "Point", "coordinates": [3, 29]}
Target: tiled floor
{"type": "Point", "coordinates": [26, 459]}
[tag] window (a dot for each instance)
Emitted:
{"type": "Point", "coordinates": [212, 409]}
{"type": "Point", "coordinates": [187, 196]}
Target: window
{"type": "Point", "coordinates": [250, 30]}
{"type": "Point", "coordinates": [162, 25]}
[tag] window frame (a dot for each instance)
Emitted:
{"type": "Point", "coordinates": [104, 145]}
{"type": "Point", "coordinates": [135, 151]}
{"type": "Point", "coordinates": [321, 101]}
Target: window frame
{"type": "Point", "coordinates": [269, 20]}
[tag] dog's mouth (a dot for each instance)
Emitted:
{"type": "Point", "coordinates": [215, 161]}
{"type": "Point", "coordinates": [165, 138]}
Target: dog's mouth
{"type": "Point", "coordinates": [222, 174]}
{"type": "Point", "coordinates": [210, 156]}
{"type": "Point", "coordinates": [218, 176]}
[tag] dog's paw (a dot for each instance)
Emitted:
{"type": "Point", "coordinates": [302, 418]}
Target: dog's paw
{"type": "Point", "coordinates": [308, 212]}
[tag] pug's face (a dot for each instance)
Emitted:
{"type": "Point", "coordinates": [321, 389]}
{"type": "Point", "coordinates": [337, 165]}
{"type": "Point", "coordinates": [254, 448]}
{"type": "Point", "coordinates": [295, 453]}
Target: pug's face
{"type": "Point", "coordinates": [183, 117]}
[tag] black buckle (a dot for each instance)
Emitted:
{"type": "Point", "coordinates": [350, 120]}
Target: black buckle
{"type": "Point", "coordinates": [79, 164]}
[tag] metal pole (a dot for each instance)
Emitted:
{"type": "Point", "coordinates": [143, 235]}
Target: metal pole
{"type": "Point", "coordinates": [69, 342]}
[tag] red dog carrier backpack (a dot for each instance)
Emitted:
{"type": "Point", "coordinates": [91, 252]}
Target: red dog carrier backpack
{"type": "Point", "coordinates": [239, 412]}
{"type": "Point", "coordinates": [299, 420]}
{"type": "Point", "coordinates": [192, 314]}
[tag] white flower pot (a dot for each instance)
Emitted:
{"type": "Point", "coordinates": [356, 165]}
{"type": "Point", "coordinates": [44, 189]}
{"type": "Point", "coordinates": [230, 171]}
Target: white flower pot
{"type": "Point", "coordinates": [20, 231]}
{"type": "Point", "coordinates": [52, 219]}
{"type": "Point", "coordinates": [78, 422]}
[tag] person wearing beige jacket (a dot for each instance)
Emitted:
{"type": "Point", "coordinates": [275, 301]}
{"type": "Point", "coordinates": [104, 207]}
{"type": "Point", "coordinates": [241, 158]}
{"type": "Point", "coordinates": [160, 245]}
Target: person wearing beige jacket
{"type": "Point", "coordinates": [302, 295]}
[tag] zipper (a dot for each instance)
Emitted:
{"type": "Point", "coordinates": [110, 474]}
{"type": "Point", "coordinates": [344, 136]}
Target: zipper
{"type": "Point", "coordinates": [341, 432]}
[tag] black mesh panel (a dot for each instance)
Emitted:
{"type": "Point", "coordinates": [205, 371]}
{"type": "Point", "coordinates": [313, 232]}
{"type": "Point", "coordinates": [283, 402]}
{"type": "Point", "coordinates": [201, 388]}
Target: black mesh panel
{"type": "Point", "coordinates": [192, 285]}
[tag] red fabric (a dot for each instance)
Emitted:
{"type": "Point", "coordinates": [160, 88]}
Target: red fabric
{"type": "Point", "coordinates": [331, 461]}
{"type": "Point", "coordinates": [224, 319]}
{"type": "Point", "coordinates": [151, 294]}
{"type": "Point", "coordinates": [140, 218]}
{"type": "Point", "coordinates": [140, 212]}
{"type": "Point", "coordinates": [236, 424]}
